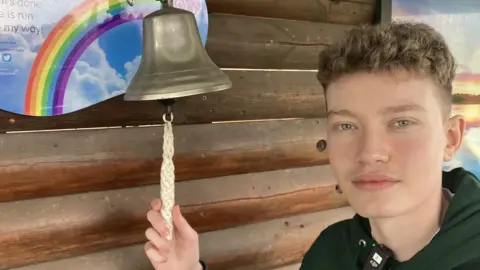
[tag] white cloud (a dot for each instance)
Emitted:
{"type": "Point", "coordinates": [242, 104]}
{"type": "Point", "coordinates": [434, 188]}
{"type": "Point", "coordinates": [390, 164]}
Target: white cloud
{"type": "Point", "coordinates": [132, 68]}
{"type": "Point", "coordinates": [93, 80]}
{"type": "Point", "coordinates": [75, 99]}
{"type": "Point", "coordinates": [193, 6]}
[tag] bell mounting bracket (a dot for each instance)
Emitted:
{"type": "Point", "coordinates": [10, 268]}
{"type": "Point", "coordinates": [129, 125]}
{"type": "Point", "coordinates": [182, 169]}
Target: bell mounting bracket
{"type": "Point", "coordinates": [168, 103]}
{"type": "Point", "coordinates": [164, 2]}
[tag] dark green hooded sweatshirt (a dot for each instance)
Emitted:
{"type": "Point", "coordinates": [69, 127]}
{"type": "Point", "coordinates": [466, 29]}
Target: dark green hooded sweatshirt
{"type": "Point", "coordinates": [455, 247]}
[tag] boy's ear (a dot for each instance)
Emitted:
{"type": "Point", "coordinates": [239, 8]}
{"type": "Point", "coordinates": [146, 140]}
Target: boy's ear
{"type": "Point", "coordinates": [454, 132]}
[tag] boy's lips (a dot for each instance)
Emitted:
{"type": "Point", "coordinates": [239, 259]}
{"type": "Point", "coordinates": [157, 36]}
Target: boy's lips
{"type": "Point", "coordinates": [374, 181]}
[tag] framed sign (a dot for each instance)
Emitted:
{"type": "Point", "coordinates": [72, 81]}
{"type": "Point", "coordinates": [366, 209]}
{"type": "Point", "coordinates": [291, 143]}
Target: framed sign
{"type": "Point", "coordinates": [60, 56]}
{"type": "Point", "coordinates": [458, 22]}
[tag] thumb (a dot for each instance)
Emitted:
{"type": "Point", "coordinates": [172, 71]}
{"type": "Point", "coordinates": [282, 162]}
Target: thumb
{"type": "Point", "coordinates": [184, 230]}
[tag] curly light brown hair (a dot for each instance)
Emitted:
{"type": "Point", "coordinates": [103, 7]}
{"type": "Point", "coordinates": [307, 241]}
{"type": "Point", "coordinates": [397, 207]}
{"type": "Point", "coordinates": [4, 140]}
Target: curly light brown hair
{"type": "Point", "coordinates": [395, 46]}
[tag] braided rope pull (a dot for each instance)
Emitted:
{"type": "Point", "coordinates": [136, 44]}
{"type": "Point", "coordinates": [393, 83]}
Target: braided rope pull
{"type": "Point", "coordinates": [167, 176]}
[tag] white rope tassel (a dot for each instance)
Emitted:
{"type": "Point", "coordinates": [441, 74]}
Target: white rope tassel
{"type": "Point", "coordinates": [167, 176]}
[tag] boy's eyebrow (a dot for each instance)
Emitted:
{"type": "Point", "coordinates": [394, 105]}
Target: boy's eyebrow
{"type": "Point", "coordinates": [386, 110]}
{"type": "Point", "coordinates": [340, 112]}
{"type": "Point", "coordinates": [402, 108]}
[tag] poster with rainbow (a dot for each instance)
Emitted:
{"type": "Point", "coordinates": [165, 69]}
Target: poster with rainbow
{"type": "Point", "coordinates": [458, 22]}
{"type": "Point", "coordinates": [60, 56]}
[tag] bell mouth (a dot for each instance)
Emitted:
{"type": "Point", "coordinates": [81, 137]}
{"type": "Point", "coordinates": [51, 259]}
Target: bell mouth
{"type": "Point", "coordinates": [173, 95]}
{"type": "Point", "coordinates": [158, 86]}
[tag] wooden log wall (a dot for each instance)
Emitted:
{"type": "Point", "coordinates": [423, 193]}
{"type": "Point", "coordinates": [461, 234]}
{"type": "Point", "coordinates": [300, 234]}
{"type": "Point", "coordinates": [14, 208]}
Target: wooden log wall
{"type": "Point", "coordinates": [75, 189]}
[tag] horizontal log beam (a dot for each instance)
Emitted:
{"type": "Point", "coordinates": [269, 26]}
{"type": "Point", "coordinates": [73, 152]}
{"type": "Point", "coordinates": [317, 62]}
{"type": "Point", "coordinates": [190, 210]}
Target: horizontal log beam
{"type": "Point", "coordinates": [267, 244]}
{"type": "Point", "coordinates": [86, 207]}
{"type": "Point", "coordinates": [258, 246]}
{"type": "Point", "coordinates": [68, 238]}
{"type": "Point", "coordinates": [255, 95]}
{"type": "Point", "coordinates": [59, 163]}
{"type": "Point", "coordinates": [328, 11]}
{"type": "Point", "coordinates": [32, 181]}
{"type": "Point", "coordinates": [248, 42]}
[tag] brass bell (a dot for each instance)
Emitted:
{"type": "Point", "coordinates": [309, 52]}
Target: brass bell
{"type": "Point", "coordinates": [174, 61]}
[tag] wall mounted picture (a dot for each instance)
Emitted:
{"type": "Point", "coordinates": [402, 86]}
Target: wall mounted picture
{"type": "Point", "coordinates": [61, 56]}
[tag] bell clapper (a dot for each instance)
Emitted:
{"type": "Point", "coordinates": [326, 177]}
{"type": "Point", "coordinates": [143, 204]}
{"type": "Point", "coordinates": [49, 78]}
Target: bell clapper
{"type": "Point", "coordinates": [167, 173]}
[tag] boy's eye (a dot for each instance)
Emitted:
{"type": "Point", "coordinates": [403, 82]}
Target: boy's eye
{"type": "Point", "coordinates": [345, 126]}
{"type": "Point", "coordinates": [402, 123]}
